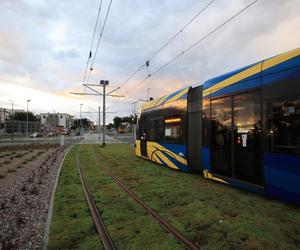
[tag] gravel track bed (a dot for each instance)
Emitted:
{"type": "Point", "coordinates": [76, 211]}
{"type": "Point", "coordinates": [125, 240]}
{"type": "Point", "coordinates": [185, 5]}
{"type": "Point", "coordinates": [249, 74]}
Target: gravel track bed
{"type": "Point", "coordinates": [24, 200]}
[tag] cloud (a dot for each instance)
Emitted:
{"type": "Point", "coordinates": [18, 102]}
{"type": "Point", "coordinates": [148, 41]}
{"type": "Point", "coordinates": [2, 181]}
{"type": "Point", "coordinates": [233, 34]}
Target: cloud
{"type": "Point", "coordinates": [65, 54]}
{"type": "Point", "coordinates": [44, 46]}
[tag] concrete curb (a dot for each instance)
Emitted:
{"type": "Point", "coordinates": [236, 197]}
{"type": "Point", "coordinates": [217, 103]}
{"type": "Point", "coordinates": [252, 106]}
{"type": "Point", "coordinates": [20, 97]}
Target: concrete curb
{"type": "Point", "coordinates": [47, 230]}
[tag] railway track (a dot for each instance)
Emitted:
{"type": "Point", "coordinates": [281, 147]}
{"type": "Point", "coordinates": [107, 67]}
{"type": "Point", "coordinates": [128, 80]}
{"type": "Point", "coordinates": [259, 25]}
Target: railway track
{"type": "Point", "coordinates": [101, 229]}
{"type": "Point", "coordinates": [100, 226]}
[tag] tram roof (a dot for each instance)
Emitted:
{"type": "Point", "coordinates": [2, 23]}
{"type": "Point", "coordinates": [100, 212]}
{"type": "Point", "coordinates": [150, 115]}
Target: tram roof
{"type": "Point", "coordinates": [271, 65]}
{"type": "Point", "coordinates": [177, 95]}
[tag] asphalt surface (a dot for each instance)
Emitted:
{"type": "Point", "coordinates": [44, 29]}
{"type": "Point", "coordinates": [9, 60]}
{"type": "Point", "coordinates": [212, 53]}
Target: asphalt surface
{"type": "Point", "coordinates": [94, 139]}
{"type": "Point", "coordinates": [87, 138]}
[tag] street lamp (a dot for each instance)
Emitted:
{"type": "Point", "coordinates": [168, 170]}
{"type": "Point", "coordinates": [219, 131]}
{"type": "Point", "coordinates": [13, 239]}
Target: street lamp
{"type": "Point", "coordinates": [104, 83]}
{"type": "Point", "coordinates": [134, 104]}
{"type": "Point", "coordinates": [11, 126]}
{"type": "Point", "coordinates": [148, 90]}
{"type": "Point", "coordinates": [27, 117]}
{"type": "Point", "coordinates": [80, 123]}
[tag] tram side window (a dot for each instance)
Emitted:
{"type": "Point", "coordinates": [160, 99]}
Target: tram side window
{"type": "Point", "coordinates": [156, 130]}
{"type": "Point", "coordinates": [173, 130]}
{"type": "Point", "coordinates": [142, 126]}
{"type": "Point", "coordinates": [173, 133]}
{"type": "Point", "coordinates": [285, 127]}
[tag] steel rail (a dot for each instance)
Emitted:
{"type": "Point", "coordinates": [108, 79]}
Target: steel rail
{"type": "Point", "coordinates": [100, 226]}
{"type": "Point", "coordinates": [179, 236]}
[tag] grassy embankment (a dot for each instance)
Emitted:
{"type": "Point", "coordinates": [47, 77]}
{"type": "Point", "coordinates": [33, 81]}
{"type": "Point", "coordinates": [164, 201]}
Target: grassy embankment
{"type": "Point", "coordinates": [71, 226]}
{"type": "Point", "coordinates": [214, 215]}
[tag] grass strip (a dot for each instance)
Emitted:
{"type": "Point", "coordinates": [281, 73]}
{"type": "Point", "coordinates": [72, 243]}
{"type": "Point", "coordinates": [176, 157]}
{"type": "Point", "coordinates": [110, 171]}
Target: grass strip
{"type": "Point", "coordinates": [128, 224]}
{"type": "Point", "coordinates": [72, 225]}
{"type": "Point", "coordinates": [215, 215]}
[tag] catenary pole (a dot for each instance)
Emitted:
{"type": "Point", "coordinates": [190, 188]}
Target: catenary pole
{"type": "Point", "coordinates": [99, 121]}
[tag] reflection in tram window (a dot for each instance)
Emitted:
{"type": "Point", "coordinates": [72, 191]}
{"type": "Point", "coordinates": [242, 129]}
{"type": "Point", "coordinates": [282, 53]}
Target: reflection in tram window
{"type": "Point", "coordinates": [173, 133]}
{"type": "Point", "coordinates": [247, 124]}
{"type": "Point", "coordinates": [156, 130]}
{"type": "Point", "coordinates": [247, 137]}
{"type": "Point", "coordinates": [221, 117]}
{"type": "Point", "coordinates": [285, 127]}
{"type": "Point", "coordinates": [221, 131]}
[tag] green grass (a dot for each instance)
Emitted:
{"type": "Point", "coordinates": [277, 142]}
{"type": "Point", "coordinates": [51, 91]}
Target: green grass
{"type": "Point", "coordinates": [128, 224]}
{"type": "Point", "coordinates": [214, 215]}
{"type": "Point", "coordinates": [195, 205]}
{"type": "Point", "coordinates": [71, 226]}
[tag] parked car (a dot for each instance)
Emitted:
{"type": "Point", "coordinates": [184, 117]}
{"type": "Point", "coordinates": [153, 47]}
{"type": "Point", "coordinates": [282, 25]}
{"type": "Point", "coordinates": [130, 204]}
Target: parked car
{"type": "Point", "coordinates": [35, 135]}
{"type": "Point", "coordinates": [51, 134]}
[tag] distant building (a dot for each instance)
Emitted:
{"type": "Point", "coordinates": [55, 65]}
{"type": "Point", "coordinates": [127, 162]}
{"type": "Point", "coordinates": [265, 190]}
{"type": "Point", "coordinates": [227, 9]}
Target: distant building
{"type": "Point", "coordinates": [5, 113]}
{"type": "Point", "coordinates": [86, 123]}
{"type": "Point", "coordinates": [8, 126]}
{"type": "Point", "coordinates": [125, 127]}
{"type": "Point", "coordinates": [56, 121]}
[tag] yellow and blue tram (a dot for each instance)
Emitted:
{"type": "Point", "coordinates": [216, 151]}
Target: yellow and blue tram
{"type": "Point", "coordinates": [241, 128]}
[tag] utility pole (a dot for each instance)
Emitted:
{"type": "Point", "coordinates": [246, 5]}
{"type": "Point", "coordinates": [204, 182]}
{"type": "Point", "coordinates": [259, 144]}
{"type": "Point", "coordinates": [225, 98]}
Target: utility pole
{"type": "Point", "coordinates": [103, 94]}
{"type": "Point", "coordinates": [148, 90]}
{"type": "Point", "coordinates": [27, 118]}
{"type": "Point", "coordinates": [99, 122]}
{"type": "Point", "coordinates": [104, 83]}
{"type": "Point", "coordinates": [80, 123]}
{"type": "Point", "coordinates": [99, 118]}
{"type": "Point", "coordinates": [12, 113]}
{"type": "Point", "coordinates": [134, 104]}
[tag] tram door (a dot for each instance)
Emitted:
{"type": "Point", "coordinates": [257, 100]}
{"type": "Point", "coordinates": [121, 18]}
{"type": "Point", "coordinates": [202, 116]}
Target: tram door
{"type": "Point", "coordinates": [236, 137]}
{"type": "Point", "coordinates": [221, 136]}
{"type": "Point", "coordinates": [143, 134]}
{"type": "Point", "coordinates": [144, 144]}
{"type": "Point", "coordinates": [247, 138]}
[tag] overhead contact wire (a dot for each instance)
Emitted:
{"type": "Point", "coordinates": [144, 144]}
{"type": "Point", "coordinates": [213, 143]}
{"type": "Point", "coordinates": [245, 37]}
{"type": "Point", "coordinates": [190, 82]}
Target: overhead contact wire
{"type": "Point", "coordinates": [168, 42]}
{"type": "Point", "coordinates": [195, 44]}
{"type": "Point", "coordinates": [100, 38]}
{"type": "Point", "coordinates": [91, 47]}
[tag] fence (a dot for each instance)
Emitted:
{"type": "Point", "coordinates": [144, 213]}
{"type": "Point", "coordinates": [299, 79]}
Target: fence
{"type": "Point", "coordinates": [61, 140]}
{"type": "Point", "coordinates": [18, 127]}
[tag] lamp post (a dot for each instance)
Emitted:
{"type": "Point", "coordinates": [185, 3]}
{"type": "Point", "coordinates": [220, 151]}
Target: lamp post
{"type": "Point", "coordinates": [12, 113]}
{"type": "Point", "coordinates": [104, 83]}
{"type": "Point", "coordinates": [134, 104]}
{"type": "Point", "coordinates": [27, 118]}
{"type": "Point", "coordinates": [148, 90]}
{"type": "Point", "coordinates": [80, 123]}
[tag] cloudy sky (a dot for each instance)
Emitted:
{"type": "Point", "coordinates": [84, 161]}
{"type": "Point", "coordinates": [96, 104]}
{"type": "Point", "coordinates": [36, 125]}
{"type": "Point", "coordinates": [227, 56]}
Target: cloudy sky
{"type": "Point", "coordinates": [44, 47]}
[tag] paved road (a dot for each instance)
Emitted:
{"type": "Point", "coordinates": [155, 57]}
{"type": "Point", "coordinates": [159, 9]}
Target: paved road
{"type": "Point", "coordinates": [88, 138]}
{"type": "Point", "coordinates": [127, 137]}
{"type": "Point", "coordinates": [40, 140]}
{"type": "Point", "coordinates": [94, 139]}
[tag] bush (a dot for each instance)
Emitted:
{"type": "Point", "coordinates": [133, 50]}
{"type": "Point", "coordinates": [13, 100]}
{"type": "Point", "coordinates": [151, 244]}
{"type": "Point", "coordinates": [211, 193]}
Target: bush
{"type": "Point", "coordinates": [19, 155]}
{"type": "Point", "coordinates": [11, 170]}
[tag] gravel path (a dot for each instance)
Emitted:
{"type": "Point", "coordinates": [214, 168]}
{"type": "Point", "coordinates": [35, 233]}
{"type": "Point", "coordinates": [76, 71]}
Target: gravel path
{"type": "Point", "coordinates": [24, 202]}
